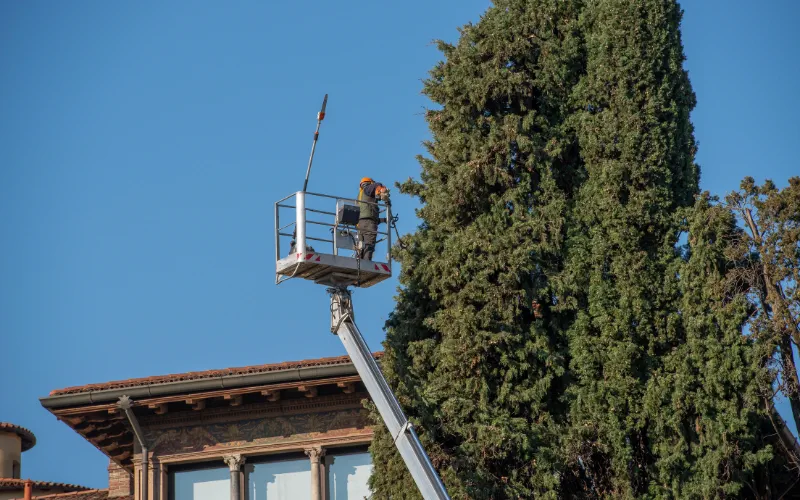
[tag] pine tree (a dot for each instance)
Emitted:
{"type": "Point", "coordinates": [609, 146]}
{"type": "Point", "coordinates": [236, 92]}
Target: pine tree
{"type": "Point", "coordinates": [770, 253]}
{"type": "Point", "coordinates": [767, 258]}
{"type": "Point", "coordinates": [473, 350]}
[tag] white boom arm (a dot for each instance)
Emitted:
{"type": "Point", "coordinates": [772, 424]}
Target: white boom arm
{"type": "Point", "coordinates": [406, 440]}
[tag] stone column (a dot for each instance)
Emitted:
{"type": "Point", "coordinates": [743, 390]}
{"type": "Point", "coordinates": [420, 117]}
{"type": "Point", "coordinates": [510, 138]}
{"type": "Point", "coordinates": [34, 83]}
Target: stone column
{"type": "Point", "coordinates": [315, 455]}
{"type": "Point", "coordinates": [327, 461]}
{"type": "Point", "coordinates": [235, 463]}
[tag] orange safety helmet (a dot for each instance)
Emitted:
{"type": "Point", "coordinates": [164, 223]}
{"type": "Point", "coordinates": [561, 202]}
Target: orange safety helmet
{"type": "Point", "coordinates": [365, 179]}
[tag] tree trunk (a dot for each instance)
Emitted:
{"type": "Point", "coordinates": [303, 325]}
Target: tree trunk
{"type": "Point", "coordinates": [781, 319]}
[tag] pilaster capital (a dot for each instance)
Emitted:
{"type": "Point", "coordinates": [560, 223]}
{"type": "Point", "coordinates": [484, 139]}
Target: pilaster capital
{"type": "Point", "coordinates": [315, 453]}
{"type": "Point", "coordinates": [235, 462]}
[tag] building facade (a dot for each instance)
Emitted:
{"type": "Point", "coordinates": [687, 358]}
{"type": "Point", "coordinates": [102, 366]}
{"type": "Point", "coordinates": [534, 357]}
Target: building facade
{"type": "Point", "coordinates": [291, 430]}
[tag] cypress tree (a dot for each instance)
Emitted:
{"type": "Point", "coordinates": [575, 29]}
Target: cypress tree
{"type": "Point", "coordinates": [473, 350]}
{"type": "Point", "coordinates": [636, 142]}
{"type": "Point", "coordinates": [550, 339]}
{"type": "Point", "coordinates": [705, 407]}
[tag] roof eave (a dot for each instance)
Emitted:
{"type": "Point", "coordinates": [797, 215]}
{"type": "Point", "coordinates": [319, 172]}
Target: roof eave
{"type": "Point", "coordinates": [191, 386]}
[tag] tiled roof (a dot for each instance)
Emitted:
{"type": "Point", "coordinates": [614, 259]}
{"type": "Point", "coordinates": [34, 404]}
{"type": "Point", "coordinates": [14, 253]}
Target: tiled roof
{"type": "Point", "coordinates": [28, 439]}
{"type": "Point", "coordinates": [82, 495]}
{"type": "Point", "coordinates": [181, 377]}
{"type": "Point", "coordinates": [14, 484]}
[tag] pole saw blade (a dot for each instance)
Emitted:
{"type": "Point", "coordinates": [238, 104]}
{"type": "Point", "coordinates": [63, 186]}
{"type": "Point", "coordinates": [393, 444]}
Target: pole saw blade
{"type": "Point", "coordinates": [321, 114]}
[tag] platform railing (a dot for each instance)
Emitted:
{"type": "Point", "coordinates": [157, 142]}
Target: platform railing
{"type": "Point", "coordinates": [297, 228]}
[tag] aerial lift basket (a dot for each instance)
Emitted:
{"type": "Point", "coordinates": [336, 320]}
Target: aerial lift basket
{"type": "Point", "coordinates": [317, 239]}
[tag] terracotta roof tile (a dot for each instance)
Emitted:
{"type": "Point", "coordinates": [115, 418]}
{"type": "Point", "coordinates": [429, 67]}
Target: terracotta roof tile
{"type": "Point", "coordinates": [82, 495]}
{"type": "Point", "coordinates": [13, 484]}
{"type": "Point", "coordinates": [181, 377]}
{"type": "Point", "coordinates": [28, 439]}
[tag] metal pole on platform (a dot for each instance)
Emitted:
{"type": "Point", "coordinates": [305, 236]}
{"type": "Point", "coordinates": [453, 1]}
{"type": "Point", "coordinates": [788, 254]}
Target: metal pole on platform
{"type": "Point", "coordinates": [320, 117]}
{"type": "Point", "coordinates": [300, 226]}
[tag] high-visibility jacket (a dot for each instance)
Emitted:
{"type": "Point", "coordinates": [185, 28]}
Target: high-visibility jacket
{"type": "Point", "coordinates": [369, 193]}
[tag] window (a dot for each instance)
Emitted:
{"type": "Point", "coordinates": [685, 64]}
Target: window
{"type": "Point", "coordinates": [288, 479]}
{"type": "Point", "coordinates": [15, 470]}
{"type": "Point", "coordinates": [207, 483]}
{"type": "Point", "coordinates": [348, 474]}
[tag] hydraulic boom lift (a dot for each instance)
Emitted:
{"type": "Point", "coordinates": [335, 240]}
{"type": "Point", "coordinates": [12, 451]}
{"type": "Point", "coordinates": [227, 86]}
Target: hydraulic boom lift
{"type": "Point", "coordinates": [338, 271]}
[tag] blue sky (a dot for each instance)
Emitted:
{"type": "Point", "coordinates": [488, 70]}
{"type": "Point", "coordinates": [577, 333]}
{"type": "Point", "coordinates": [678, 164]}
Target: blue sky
{"type": "Point", "coordinates": [143, 144]}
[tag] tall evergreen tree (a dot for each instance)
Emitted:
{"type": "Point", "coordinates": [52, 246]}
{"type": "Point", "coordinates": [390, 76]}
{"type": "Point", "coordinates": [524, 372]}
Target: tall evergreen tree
{"type": "Point", "coordinates": [769, 250]}
{"type": "Point", "coordinates": [472, 348]}
{"type": "Point", "coordinates": [704, 406]}
{"type": "Point", "coordinates": [767, 258]}
{"type": "Point", "coordinates": [637, 146]}
{"type": "Point", "coordinates": [544, 338]}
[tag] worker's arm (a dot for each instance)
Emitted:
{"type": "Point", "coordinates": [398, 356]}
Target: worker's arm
{"type": "Point", "coordinates": [374, 189]}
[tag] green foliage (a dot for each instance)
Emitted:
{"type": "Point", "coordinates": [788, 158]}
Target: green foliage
{"type": "Point", "coordinates": [768, 253]}
{"type": "Point", "coordinates": [767, 257]}
{"type": "Point", "coordinates": [470, 358]}
{"type": "Point", "coordinates": [549, 340]}
{"type": "Point", "coordinates": [637, 145]}
{"type": "Point", "coordinates": [704, 403]}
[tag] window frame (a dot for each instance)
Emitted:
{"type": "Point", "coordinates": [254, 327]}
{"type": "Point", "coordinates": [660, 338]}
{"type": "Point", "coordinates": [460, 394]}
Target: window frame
{"type": "Point", "coordinates": [189, 467]}
{"type": "Point", "coordinates": [340, 451]}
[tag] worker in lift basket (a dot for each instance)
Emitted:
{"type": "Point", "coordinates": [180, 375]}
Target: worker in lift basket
{"type": "Point", "coordinates": [368, 220]}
